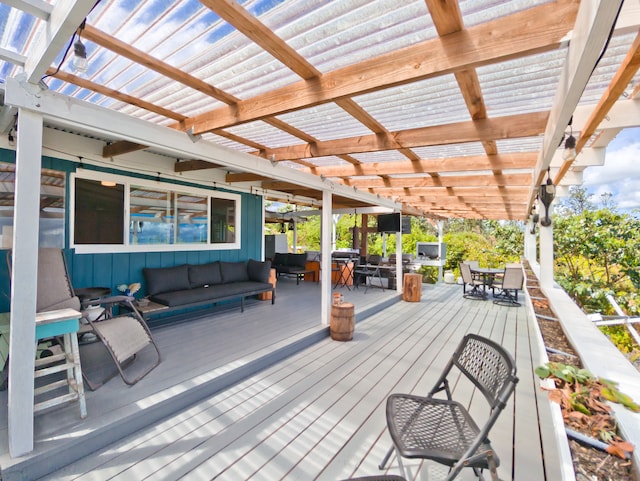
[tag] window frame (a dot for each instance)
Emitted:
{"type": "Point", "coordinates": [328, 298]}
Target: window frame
{"type": "Point", "coordinates": [126, 246]}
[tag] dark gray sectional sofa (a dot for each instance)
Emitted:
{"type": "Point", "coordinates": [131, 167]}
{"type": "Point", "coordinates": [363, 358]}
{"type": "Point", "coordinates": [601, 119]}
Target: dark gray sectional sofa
{"type": "Point", "coordinates": [290, 264]}
{"type": "Point", "coordinates": [191, 285]}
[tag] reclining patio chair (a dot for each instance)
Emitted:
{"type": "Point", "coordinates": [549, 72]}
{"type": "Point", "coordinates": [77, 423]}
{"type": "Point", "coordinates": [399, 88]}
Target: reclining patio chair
{"type": "Point", "coordinates": [442, 430]}
{"type": "Point", "coordinates": [509, 286]}
{"type": "Point", "coordinates": [124, 336]}
{"type": "Point", "coordinates": [477, 285]}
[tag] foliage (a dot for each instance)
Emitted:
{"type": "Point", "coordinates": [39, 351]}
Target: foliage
{"type": "Point", "coordinates": [598, 253]}
{"type": "Point", "coordinates": [583, 397]}
{"type": "Point", "coordinates": [620, 336]}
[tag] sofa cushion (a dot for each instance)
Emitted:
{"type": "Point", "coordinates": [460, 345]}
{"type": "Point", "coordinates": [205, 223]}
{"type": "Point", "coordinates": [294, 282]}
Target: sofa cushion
{"type": "Point", "coordinates": [297, 260]}
{"type": "Point", "coordinates": [280, 259]}
{"type": "Point", "coordinates": [205, 274]}
{"type": "Point", "coordinates": [258, 271]}
{"type": "Point", "coordinates": [165, 279]}
{"type": "Point", "coordinates": [211, 293]}
{"type": "Point", "coordinates": [234, 272]}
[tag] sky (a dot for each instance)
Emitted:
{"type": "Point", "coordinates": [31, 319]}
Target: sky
{"type": "Point", "coordinates": [620, 174]}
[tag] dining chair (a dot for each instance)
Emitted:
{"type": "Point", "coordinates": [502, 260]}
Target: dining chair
{"type": "Point", "coordinates": [511, 282]}
{"type": "Point", "coordinates": [476, 284]}
{"type": "Point", "coordinates": [441, 429]}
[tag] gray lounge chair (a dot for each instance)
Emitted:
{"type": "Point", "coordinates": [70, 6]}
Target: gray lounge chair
{"type": "Point", "coordinates": [124, 336]}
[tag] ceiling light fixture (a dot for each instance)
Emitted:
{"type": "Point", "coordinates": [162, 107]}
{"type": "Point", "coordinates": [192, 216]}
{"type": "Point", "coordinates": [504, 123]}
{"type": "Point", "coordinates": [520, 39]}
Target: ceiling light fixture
{"type": "Point", "coordinates": [107, 183]}
{"type": "Point", "coordinates": [546, 194]}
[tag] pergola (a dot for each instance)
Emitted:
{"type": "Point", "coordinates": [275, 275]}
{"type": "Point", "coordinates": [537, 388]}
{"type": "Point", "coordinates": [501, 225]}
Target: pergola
{"type": "Point", "coordinates": [437, 108]}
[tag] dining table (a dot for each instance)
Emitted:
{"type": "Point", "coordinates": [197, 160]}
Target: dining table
{"type": "Point", "coordinates": [487, 275]}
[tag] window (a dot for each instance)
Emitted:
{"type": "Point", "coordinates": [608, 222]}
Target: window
{"type": "Point", "coordinates": [223, 220]}
{"type": "Point", "coordinates": [140, 215]}
{"type": "Point", "coordinates": [167, 217]}
{"type": "Point", "coordinates": [99, 208]}
{"type": "Point", "coordinates": [52, 201]}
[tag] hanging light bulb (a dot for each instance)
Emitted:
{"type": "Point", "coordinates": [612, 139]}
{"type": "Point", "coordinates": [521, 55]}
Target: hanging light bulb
{"type": "Point", "coordinates": [80, 62]}
{"type": "Point", "coordinates": [569, 148]}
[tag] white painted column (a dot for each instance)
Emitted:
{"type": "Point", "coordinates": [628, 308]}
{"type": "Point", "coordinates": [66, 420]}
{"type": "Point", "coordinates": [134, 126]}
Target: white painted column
{"type": "Point", "coordinates": [325, 246]}
{"type": "Point", "coordinates": [530, 248]}
{"type": "Point", "coordinates": [262, 230]}
{"type": "Point", "coordinates": [24, 282]}
{"type": "Point", "coordinates": [546, 254]}
{"type": "Point", "coordinates": [440, 225]}
{"type": "Point", "coordinates": [399, 261]}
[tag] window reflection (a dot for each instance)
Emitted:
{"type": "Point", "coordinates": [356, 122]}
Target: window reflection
{"type": "Point", "coordinates": [166, 217]}
{"type": "Point", "coordinates": [52, 202]}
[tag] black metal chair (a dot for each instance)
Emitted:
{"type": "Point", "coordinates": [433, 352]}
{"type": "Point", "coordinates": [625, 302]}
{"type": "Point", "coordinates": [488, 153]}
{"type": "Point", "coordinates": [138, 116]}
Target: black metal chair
{"type": "Point", "coordinates": [369, 269]}
{"type": "Point", "coordinates": [442, 430]}
{"type": "Point", "coordinates": [509, 285]}
{"type": "Point", "coordinates": [477, 285]}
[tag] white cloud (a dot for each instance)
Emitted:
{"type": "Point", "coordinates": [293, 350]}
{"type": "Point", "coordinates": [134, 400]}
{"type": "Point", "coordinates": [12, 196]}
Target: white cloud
{"type": "Point", "coordinates": [620, 174]}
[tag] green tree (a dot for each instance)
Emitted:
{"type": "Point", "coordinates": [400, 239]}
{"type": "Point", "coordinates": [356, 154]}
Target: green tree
{"type": "Point", "coordinates": [597, 253]}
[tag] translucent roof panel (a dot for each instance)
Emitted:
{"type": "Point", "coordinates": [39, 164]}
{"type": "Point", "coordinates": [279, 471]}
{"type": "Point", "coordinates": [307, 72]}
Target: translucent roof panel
{"type": "Point", "coordinates": [326, 121]}
{"type": "Point", "coordinates": [420, 104]}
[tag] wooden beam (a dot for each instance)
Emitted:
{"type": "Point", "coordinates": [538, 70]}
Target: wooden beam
{"type": "Point", "coordinates": [244, 177]}
{"type": "Point", "coordinates": [250, 26]}
{"type": "Point", "coordinates": [190, 165]}
{"type": "Point", "coordinates": [115, 94]}
{"type": "Point", "coordinates": [129, 51]}
{"type": "Point", "coordinates": [484, 44]}
{"type": "Point", "coordinates": [619, 83]}
{"type": "Point", "coordinates": [442, 181]}
{"type": "Point", "coordinates": [509, 127]}
{"type": "Point", "coordinates": [121, 147]}
{"type": "Point", "coordinates": [523, 160]}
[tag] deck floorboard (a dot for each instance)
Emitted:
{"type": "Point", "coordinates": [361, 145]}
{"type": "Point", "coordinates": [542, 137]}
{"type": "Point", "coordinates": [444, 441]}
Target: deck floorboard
{"type": "Point", "coordinates": [319, 414]}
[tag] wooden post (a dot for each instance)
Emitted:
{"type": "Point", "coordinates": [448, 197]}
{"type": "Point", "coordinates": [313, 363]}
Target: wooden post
{"type": "Point", "coordinates": [412, 287]}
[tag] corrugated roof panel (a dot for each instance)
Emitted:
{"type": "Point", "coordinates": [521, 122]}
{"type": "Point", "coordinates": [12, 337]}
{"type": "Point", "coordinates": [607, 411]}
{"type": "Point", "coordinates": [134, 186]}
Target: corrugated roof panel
{"type": "Point", "coordinates": [381, 156]}
{"type": "Point", "coordinates": [325, 122]}
{"type": "Point", "coordinates": [264, 134]}
{"type": "Point", "coordinates": [522, 85]}
{"type": "Point", "coordinates": [451, 150]}
{"type": "Point", "coordinates": [420, 104]}
{"type": "Point", "coordinates": [332, 35]}
{"type": "Point", "coordinates": [476, 12]}
{"type": "Point", "coordinates": [617, 49]}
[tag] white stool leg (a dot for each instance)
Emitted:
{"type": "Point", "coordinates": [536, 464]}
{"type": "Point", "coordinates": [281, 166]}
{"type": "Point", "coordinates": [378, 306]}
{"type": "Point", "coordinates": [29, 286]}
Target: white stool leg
{"type": "Point", "coordinates": [79, 385]}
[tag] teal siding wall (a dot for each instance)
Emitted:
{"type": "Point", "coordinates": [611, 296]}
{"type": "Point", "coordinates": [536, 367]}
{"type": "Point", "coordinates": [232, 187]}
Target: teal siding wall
{"type": "Point", "coordinates": [110, 270]}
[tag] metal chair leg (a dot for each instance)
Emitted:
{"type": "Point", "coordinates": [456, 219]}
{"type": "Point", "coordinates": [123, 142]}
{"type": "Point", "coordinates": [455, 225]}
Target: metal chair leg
{"type": "Point", "coordinates": [385, 460]}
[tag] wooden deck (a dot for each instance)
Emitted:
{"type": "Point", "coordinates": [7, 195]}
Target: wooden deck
{"type": "Point", "coordinates": [315, 412]}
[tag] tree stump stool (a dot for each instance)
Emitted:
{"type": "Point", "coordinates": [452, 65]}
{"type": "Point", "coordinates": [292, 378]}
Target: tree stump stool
{"type": "Point", "coordinates": [412, 287]}
{"type": "Point", "coordinates": [342, 321]}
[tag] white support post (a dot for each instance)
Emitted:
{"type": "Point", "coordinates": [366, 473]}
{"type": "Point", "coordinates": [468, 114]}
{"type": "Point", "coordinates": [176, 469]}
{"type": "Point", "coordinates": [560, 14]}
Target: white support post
{"type": "Point", "coordinates": [530, 249]}
{"type": "Point", "coordinates": [325, 244]}
{"type": "Point", "coordinates": [399, 261]}
{"type": "Point", "coordinates": [442, 261]}
{"type": "Point", "coordinates": [24, 282]}
{"type": "Point", "coordinates": [546, 254]}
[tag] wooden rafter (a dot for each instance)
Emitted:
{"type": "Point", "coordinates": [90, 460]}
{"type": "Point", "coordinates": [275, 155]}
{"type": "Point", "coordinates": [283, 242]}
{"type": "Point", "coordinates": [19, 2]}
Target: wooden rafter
{"type": "Point", "coordinates": [483, 44]}
{"type": "Point", "coordinates": [618, 84]}
{"type": "Point", "coordinates": [457, 164]}
{"type": "Point", "coordinates": [514, 126]}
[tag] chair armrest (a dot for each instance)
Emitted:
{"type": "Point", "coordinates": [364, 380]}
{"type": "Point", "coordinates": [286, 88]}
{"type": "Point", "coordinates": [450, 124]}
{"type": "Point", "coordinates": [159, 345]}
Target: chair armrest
{"type": "Point", "coordinates": [110, 300]}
